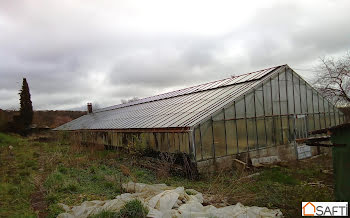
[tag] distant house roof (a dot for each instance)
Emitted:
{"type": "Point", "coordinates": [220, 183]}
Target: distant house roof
{"type": "Point", "coordinates": [181, 108]}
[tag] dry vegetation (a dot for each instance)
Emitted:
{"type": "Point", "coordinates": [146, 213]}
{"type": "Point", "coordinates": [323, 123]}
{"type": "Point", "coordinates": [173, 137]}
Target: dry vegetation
{"type": "Point", "coordinates": [39, 172]}
{"type": "Point", "coordinates": [50, 119]}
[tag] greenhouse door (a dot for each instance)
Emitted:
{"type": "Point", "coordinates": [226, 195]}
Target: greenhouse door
{"type": "Point", "coordinates": [300, 126]}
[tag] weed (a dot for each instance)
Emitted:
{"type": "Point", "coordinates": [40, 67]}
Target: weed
{"type": "Point", "coordinates": [278, 175]}
{"type": "Point", "coordinates": [133, 209]}
{"type": "Point", "coordinates": [105, 214]}
{"type": "Point", "coordinates": [52, 198]}
{"type": "Point", "coordinates": [54, 210]}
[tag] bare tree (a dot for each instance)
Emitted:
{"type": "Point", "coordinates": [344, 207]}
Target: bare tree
{"type": "Point", "coordinates": [123, 101]}
{"type": "Point", "coordinates": [333, 79]}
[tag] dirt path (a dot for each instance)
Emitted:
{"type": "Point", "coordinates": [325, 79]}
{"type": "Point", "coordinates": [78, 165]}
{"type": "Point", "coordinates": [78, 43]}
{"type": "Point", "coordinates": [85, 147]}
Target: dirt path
{"type": "Point", "coordinates": [37, 198]}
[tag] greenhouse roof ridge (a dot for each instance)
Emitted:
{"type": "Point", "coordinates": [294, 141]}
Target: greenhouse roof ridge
{"type": "Point", "coordinates": [233, 80]}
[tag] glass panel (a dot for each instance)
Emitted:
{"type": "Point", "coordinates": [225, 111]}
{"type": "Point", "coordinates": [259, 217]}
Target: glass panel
{"type": "Point", "coordinates": [283, 93]}
{"type": "Point", "coordinates": [290, 92]}
{"type": "Point", "coordinates": [184, 143]}
{"type": "Point", "coordinates": [177, 141]}
{"type": "Point", "coordinates": [303, 94]}
{"type": "Point", "coordinates": [285, 129]}
{"type": "Point", "coordinates": [219, 135]}
{"type": "Point", "coordinates": [341, 116]}
{"type": "Point", "coordinates": [240, 108]}
{"type": "Point", "coordinates": [152, 141]}
{"type": "Point", "coordinates": [337, 118]}
{"type": "Point", "coordinates": [219, 138]}
{"type": "Point", "coordinates": [197, 142]}
{"type": "Point", "coordinates": [311, 122]}
{"type": "Point", "coordinates": [181, 141]}
{"type": "Point", "coordinates": [230, 112]}
{"type": "Point", "coordinates": [296, 95]}
{"type": "Point", "coordinates": [163, 142]}
{"type": "Point", "coordinates": [261, 132]}
{"type": "Point", "coordinates": [322, 119]}
{"type": "Point", "coordinates": [277, 130]}
{"type": "Point", "coordinates": [275, 96]}
{"type": "Point", "coordinates": [300, 127]}
{"type": "Point", "coordinates": [269, 131]}
{"type": "Point", "coordinates": [267, 98]}
{"type": "Point", "coordinates": [259, 102]}
{"type": "Point", "coordinates": [249, 99]}
{"type": "Point", "coordinates": [317, 121]}
{"type": "Point", "coordinates": [326, 106]}
{"type": "Point", "coordinates": [315, 102]}
{"type": "Point", "coordinates": [171, 142]}
{"type": "Point", "coordinates": [321, 103]}
{"type": "Point", "coordinates": [207, 139]}
{"type": "Point", "coordinates": [159, 141]}
{"type": "Point", "coordinates": [309, 99]}
{"type": "Point", "coordinates": [252, 134]}
{"type": "Point", "coordinates": [242, 135]}
{"type": "Point", "coordinates": [332, 118]}
{"type": "Point", "coordinates": [328, 120]}
{"type": "Point", "coordinates": [231, 137]}
{"type": "Point", "coordinates": [291, 128]}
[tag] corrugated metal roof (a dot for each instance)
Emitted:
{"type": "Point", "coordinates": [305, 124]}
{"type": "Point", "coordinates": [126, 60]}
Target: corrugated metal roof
{"type": "Point", "coordinates": [181, 108]}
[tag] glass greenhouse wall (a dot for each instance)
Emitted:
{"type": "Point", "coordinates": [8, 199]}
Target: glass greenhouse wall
{"type": "Point", "coordinates": [159, 141]}
{"type": "Point", "coordinates": [283, 108]}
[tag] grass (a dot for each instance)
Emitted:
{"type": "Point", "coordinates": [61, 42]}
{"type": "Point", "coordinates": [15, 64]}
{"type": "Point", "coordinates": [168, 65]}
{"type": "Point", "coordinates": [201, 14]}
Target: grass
{"type": "Point", "coordinates": [7, 140]}
{"type": "Point", "coordinates": [35, 176]}
{"type": "Point", "coordinates": [132, 209]}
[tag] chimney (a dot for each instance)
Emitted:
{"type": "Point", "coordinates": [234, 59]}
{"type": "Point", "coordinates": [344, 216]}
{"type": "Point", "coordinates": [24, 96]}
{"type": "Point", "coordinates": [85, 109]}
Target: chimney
{"type": "Point", "coordinates": [89, 108]}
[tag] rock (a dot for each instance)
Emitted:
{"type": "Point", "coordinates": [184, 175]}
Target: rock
{"type": "Point", "coordinates": [10, 147]}
{"type": "Point", "coordinates": [65, 215]}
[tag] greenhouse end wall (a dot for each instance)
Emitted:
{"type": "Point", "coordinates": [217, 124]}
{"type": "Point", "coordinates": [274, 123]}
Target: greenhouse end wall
{"type": "Point", "coordinates": [270, 116]}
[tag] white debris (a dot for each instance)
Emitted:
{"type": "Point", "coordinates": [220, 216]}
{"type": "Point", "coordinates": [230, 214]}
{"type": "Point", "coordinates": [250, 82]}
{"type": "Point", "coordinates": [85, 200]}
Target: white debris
{"type": "Point", "coordinates": [165, 202]}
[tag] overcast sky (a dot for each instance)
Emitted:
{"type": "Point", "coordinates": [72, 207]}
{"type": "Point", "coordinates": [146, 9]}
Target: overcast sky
{"type": "Point", "coordinates": [73, 52]}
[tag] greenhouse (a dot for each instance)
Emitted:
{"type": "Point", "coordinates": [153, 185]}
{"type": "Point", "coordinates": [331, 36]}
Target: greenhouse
{"type": "Point", "coordinates": [236, 115]}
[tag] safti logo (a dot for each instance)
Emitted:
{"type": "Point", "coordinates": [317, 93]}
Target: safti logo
{"type": "Point", "coordinates": [309, 209]}
{"type": "Point", "coordinates": [324, 209]}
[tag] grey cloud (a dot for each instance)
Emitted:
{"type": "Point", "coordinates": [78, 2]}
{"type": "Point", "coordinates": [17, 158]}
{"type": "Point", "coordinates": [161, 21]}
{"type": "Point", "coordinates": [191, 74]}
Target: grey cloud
{"type": "Point", "coordinates": [72, 55]}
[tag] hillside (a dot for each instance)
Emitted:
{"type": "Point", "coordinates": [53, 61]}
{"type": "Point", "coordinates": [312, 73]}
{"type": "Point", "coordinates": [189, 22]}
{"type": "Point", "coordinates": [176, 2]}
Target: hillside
{"type": "Point", "coordinates": [48, 118]}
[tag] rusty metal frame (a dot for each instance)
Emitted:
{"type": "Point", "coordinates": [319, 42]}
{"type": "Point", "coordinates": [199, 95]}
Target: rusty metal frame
{"type": "Point", "coordinates": [141, 130]}
{"type": "Point", "coordinates": [256, 121]}
{"type": "Point", "coordinates": [246, 121]}
{"type": "Point", "coordinates": [279, 101]}
{"type": "Point", "coordinates": [234, 105]}
{"type": "Point", "coordinates": [223, 111]}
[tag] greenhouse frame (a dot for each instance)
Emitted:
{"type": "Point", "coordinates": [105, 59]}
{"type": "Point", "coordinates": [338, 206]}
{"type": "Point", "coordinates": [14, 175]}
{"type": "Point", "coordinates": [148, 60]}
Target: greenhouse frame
{"type": "Point", "coordinates": [236, 115]}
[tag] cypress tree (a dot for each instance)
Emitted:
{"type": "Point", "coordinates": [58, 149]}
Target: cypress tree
{"type": "Point", "coordinates": [26, 110]}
